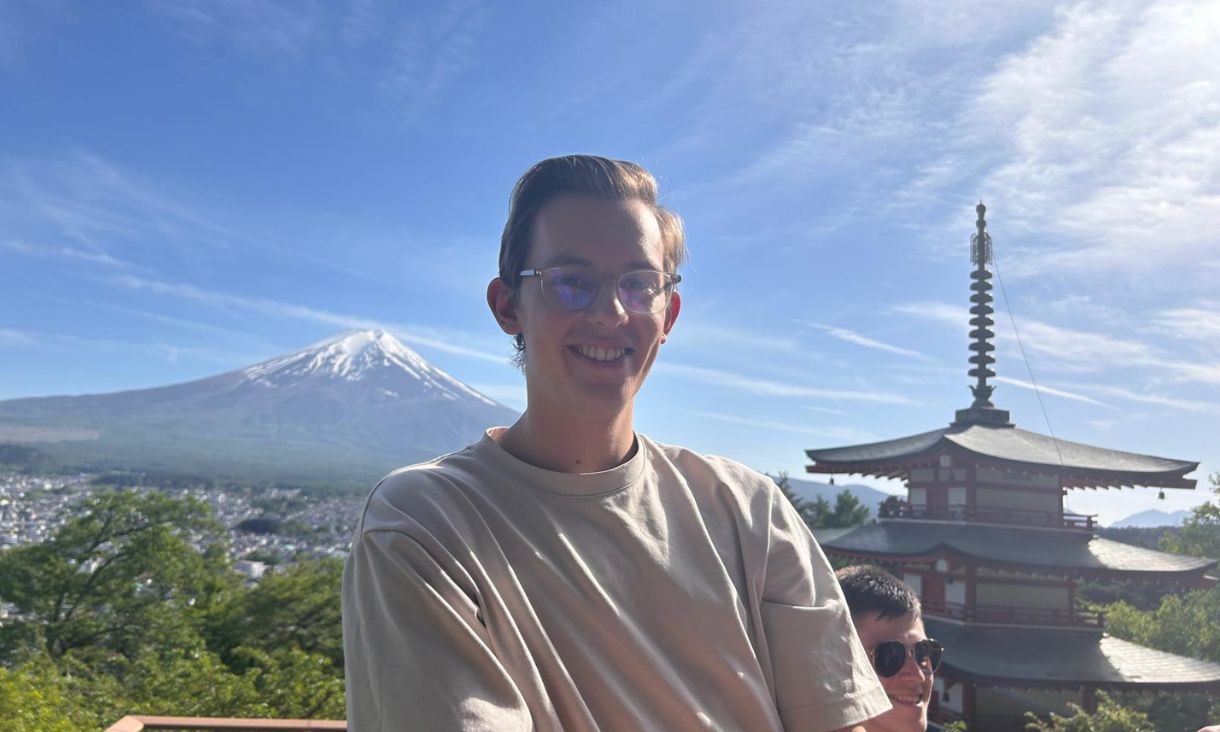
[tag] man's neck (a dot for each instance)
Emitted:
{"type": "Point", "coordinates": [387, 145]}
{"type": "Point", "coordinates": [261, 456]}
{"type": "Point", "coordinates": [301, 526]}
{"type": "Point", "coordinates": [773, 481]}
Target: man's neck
{"type": "Point", "coordinates": [588, 444]}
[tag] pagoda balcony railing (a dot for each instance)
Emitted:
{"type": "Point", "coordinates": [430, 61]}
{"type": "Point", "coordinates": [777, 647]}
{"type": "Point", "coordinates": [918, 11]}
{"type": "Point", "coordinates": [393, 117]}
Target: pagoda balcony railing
{"type": "Point", "coordinates": [1007, 516]}
{"type": "Point", "coordinates": [1008, 615]}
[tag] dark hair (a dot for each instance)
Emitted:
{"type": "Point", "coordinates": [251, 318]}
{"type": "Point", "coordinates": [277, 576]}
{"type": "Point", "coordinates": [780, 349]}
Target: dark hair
{"type": "Point", "coordinates": [870, 589]}
{"type": "Point", "coordinates": [614, 180]}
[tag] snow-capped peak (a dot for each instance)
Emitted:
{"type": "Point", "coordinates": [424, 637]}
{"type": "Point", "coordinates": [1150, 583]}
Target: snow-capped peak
{"type": "Point", "coordinates": [370, 355]}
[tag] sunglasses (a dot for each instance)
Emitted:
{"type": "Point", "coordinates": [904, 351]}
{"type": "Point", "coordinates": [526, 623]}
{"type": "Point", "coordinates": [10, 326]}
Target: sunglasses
{"type": "Point", "coordinates": [890, 656]}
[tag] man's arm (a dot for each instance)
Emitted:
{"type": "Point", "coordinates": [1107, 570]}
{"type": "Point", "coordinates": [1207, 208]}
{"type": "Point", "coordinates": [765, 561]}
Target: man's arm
{"type": "Point", "coordinates": [822, 677]}
{"type": "Point", "coordinates": [416, 653]}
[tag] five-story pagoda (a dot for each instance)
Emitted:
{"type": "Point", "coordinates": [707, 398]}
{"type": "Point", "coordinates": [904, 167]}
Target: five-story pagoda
{"type": "Point", "coordinates": [984, 540]}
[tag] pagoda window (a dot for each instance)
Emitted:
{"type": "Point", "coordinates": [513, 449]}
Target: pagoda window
{"type": "Point", "coordinates": [1016, 478]}
{"type": "Point", "coordinates": [949, 697]}
{"type": "Point", "coordinates": [947, 474]}
{"type": "Point", "coordinates": [955, 592]}
{"type": "Point", "coordinates": [957, 501]}
{"type": "Point", "coordinates": [915, 582]}
{"type": "Point", "coordinates": [919, 496]}
{"type": "Point", "coordinates": [922, 475]}
{"type": "Point", "coordinates": [1047, 597]}
{"type": "Point", "coordinates": [1017, 500]}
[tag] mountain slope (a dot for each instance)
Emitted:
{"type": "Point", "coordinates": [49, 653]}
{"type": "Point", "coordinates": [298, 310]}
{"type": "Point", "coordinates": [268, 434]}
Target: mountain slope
{"type": "Point", "coordinates": [345, 410]}
{"type": "Point", "coordinates": [1152, 518]}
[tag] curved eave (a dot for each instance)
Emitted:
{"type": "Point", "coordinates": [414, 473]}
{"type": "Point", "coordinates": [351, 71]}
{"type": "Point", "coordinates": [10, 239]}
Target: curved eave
{"type": "Point", "coordinates": [1009, 448]}
{"type": "Point", "coordinates": [1042, 658]}
{"type": "Point", "coordinates": [1013, 548]}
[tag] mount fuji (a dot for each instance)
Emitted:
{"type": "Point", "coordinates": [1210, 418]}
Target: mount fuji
{"type": "Point", "coordinates": [342, 412]}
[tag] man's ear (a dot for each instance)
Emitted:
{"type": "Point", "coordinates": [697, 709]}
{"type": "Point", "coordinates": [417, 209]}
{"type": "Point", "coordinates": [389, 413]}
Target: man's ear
{"type": "Point", "coordinates": [671, 314]}
{"type": "Point", "coordinates": [503, 306]}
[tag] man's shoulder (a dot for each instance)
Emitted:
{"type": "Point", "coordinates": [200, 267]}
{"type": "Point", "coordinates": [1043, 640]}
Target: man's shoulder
{"type": "Point", "coordinates": [431, 486]}
{"type": "Point", "coordinates": [701, 468]}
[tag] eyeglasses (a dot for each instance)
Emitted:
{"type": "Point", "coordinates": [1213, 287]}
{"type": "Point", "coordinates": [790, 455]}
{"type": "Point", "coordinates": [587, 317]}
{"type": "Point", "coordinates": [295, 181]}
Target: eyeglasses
{"type": "Point", "coordinates": [889, 657]}
{"type": "Point", "coordinates": [570, 288]}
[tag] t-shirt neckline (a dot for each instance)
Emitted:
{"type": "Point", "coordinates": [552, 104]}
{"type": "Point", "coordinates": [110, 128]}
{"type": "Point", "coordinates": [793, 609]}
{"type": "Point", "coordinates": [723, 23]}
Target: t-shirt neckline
{"type": "Point", "coordinates": [575, 485]}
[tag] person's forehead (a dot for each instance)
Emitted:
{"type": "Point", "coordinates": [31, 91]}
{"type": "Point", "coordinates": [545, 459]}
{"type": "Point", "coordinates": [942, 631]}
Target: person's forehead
{"type": "Point", "coordinates": [586, 230]}
{"type": "Point", "coordinates": [873, 629]}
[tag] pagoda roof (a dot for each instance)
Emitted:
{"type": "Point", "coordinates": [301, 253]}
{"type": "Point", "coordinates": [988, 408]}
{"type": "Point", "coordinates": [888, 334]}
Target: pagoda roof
{"type": "Point", "coordinates": [1036, 657]}
{"type": "Point", "coordinates": [1077, 464]}
{"type": "Point", "coordinates": [1037, 549]}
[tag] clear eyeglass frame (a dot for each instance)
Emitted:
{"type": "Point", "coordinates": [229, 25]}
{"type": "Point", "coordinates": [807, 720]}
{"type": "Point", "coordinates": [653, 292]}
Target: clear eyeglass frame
{"type": "Point", "coordinates": [579, 300]}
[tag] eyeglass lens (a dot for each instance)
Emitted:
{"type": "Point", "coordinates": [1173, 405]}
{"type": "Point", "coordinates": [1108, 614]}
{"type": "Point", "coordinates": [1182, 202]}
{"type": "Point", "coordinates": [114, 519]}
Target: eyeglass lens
{"type": "Point", "coordinates": [890, 656]}
{"type": "Point", "coordinates": [574, 289]}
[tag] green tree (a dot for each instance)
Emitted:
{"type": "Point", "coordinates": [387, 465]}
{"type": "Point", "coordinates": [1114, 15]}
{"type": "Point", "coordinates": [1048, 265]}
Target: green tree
{"type": "Point", "coordinates": [848, 511]}
{"type": "Point", "coordinates": [819, 514]}
{"type": "Point", "coordinates": [809, 512]}
{"type": "Point", "coordinates": [121, 574]}
{"type": "Point", "coordinates": [297, 607]}
{"type": "Point", "coordinates": [132, 608]}
{"type": "Point", "coordinates": [35, 697]}
{"type": "Point", "coordinates": [1109, 717]}
{"type": "Point", "coordinates": [1199, 535]}
{"type": "Point", "coordinates": [1188, 625]}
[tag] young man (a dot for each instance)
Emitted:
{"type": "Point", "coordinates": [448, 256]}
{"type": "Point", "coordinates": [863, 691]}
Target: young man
{"type": "Point", "coordinates": [887, 616]}
{"type": "Point", "coordinates": [567, 573]}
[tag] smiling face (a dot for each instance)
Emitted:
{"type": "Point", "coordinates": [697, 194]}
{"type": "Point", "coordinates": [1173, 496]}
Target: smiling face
{"type": "Point", "coordinates": [594, 360]}
{"type": "Point", "coordinates": [910, 690]}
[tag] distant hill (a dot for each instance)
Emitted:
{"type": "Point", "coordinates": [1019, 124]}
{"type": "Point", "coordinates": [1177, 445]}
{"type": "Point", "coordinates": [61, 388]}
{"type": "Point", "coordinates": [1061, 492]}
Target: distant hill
{"type": "Point", "coordinates": [811, 489]}
{"type": "Point", "coordinates": [342, 412]}
{"type": "Point", "coordinates": [1152, 518]}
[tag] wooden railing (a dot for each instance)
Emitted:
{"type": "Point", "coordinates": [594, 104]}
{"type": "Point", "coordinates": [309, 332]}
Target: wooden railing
{"type": "Point", "coordinates": [1009, 516]}
{"type": "Point", "coordinates": [225, 724]}
{"type": "Point", "coordinates": [1003, 614]}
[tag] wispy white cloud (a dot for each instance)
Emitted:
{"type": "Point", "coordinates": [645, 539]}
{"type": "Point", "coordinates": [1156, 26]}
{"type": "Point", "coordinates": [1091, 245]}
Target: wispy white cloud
{"type": "Point", "coordinates": [1073, 350]}
{"type": "Point", "coordinates": [1043, 388]}
{"type": "Point", "coordinates": [10, 335]}
{"type": "Point", "coordinates": [848, 434]}
{"type": "Point", "coordinates": [120, 218]}
{"type": "Point", "coordinates": [940, 312]}
{"type": "Point", "coordinates": [264, 28]}
{"type": "Point", "coordinates": [1147, 397]}
{"type": "Point", "coordinates": [161, 350]}
{"type": "Point", "coordinates": [447, 341]}
{"type": "Point", "coordinates": [858, 339]}
{"type": "Point", "coordinates": [767, 387]}
{"type": "Point", "coordinates": [1200, 323]}
{"type": "Point", "coordinates": [85, 199]}
{"type": "Point", "coordinates": [430, 53]}
{"type": "Point", "coordinates": [825, 410]}
{"type": "Point", "coordinates": [1100, 136]}
{"type": "Point", "coordinates": [25, 248]}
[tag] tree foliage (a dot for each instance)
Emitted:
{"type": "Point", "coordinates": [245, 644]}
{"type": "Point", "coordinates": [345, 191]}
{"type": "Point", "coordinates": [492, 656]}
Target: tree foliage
{"type": "Point", "coordinates": [1199, 535]}
{"type": "Point", "coordinates": [121, 573]}
{"type": "Point", "coordinates": [1188, 625]}
{"type": "Point", "coordinates": [847, 510]}
{"type": "Point", "coordinates": [132, 607]}
{"type": "Point", "coordinates": [295, 608]}
{"type": "Point", "coordinates": [1109, 717]}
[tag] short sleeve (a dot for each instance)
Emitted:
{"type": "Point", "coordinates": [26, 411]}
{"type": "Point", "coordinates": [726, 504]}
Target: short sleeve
{"type": "Point", "coordinates": [416, 653]}
{"type": "Point", "coordinates": [822, 677]}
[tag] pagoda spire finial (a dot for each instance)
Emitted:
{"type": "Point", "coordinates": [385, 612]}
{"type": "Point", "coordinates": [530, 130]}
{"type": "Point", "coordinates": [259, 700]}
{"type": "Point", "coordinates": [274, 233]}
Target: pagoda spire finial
{"type": "Point", "coordinates": [981, 411]}
{"type": "Point", "coordinates": [981, 310]}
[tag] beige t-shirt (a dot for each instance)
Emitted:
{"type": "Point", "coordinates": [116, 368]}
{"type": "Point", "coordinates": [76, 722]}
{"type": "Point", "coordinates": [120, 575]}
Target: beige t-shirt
{"type": "Point", "coordinates": [674, 592]}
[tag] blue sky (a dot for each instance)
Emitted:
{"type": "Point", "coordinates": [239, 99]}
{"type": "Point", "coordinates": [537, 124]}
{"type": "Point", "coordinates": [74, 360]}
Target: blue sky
{"type": "Point", "coordinates": [191, 186]}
